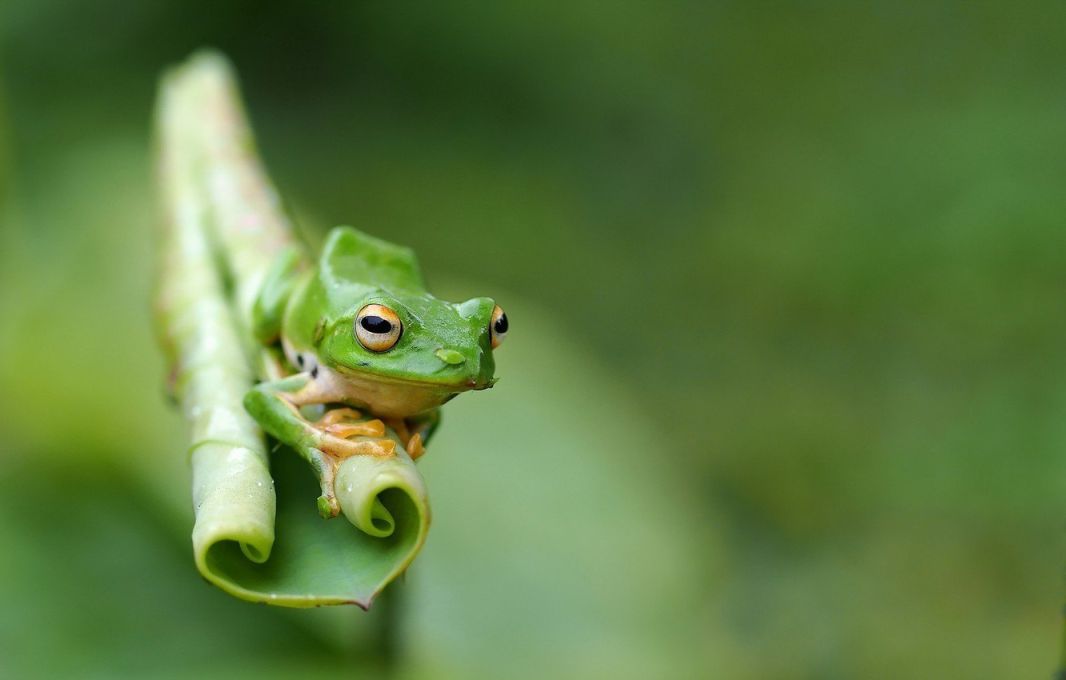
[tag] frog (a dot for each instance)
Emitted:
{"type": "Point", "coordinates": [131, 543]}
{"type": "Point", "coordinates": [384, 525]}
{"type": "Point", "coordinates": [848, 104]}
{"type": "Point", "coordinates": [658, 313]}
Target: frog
{"type": "Point", "coordinates": [360, 356]}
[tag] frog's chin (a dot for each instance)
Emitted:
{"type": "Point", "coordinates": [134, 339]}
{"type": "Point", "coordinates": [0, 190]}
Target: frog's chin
{"type": "Point", "coordinates": [393, 397]}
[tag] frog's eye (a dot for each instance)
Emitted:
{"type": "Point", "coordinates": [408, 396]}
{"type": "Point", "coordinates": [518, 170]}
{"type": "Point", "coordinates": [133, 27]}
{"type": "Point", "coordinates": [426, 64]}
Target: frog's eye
{"type": "Point", "coordinates": [498, 327]}
{"type": "Point", "coordinates": [378, 328]}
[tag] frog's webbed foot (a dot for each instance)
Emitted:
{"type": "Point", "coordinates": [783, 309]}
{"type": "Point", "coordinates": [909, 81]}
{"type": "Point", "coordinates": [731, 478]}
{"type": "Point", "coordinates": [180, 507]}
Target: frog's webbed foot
{"type": "Point", "coordinates": [333, 443]}
{"type": "Point", "coordinates": [340, 448]}
{"type": "Point", "coordinates": [334, 435]}
{"type": "Point", "coordinates": [415, 447]}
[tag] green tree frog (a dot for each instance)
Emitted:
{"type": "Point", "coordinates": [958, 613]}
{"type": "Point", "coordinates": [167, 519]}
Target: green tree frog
{"type": "Point", "coordinates": [358, 346]}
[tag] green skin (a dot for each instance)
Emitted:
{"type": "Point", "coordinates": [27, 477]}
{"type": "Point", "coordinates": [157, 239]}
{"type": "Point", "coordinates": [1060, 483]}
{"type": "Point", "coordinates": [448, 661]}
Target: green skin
{"type": "Point", "coordinates": [305, 318]}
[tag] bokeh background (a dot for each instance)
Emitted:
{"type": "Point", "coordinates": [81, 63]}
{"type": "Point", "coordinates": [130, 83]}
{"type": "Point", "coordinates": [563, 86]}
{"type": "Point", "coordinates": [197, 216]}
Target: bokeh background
{"type": "Point", "coordinates": [786, 388]}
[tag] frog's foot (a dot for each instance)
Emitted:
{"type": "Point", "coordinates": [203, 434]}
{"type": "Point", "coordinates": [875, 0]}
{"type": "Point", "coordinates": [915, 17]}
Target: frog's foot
{"type": "Point", "coordinates": [370, 428]}
{"type": "Point", "coordinates": [415, 447]}
{"type": "Point", "coordinates": [334, 436]}
{"type": "Point", "coordinates": [341, 448]}
{"type": "Point", "coordinates": [326, 455]}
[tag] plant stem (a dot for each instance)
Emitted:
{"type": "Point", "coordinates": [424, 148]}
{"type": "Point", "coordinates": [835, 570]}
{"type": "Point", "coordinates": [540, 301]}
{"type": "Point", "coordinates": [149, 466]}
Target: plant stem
{"type": "Point", "coordinates": [210, 373]}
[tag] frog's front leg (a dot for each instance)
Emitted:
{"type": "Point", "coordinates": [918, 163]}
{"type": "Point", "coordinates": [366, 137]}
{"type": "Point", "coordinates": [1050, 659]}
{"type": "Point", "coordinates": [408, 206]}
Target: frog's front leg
{"type": "Point", "coordinates": [276, 407]}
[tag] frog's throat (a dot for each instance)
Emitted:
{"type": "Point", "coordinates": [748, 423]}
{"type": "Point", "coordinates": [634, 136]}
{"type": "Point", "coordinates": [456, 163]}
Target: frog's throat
{"type": "Point", "coordinates": [386, 396]}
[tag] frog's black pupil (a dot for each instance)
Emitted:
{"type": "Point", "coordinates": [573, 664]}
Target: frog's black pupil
{"type": "Point", "coordinates": [375, 324]}
{"type": "Point", "coordinates": [501, 324]}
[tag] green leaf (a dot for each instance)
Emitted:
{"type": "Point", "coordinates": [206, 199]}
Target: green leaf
{"type": "Point", "coordinates": [302, 560]}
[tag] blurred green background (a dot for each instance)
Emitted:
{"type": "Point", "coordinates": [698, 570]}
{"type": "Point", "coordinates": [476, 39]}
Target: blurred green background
{"type": "Point", "coordinates": [784, 395]}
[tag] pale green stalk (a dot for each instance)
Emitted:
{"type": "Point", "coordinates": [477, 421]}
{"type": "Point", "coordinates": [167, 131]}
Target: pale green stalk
{"type": "Point", "coordinates": [224, 224]}
{"type": "Point", "coordinates": [210, 372]}
{"type": "Point", "coordinates": [247, 220]}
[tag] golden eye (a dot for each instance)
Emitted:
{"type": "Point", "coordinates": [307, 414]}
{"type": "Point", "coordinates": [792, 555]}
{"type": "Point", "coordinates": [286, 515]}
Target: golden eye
{"type": "Point", "coordinates": [498, 327]}
{"type": "Point", "coordinates": [378, 328]}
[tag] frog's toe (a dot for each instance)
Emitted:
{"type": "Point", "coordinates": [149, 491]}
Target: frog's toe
{"type": "Point", "coordinates": [415, 447]}
{"type": "Point", "coordinates": [328, 507]}
{"type": "Point", "coordinates": [370, 428]}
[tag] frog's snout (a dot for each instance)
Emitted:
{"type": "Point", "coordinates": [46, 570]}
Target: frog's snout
{"type": "Point", "coordinates": [450, 356]}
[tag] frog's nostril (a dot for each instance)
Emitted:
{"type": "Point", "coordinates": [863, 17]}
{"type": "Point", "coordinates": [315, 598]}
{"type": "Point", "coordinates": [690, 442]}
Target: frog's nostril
{"type": "Point", "coordinates": [450, 356]}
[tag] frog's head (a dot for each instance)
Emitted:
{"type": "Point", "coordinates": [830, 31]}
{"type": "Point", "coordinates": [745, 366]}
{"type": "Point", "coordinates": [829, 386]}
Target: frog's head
{"type": "Point", "coordinates": [402, 350]}
{"type": "Point", "coordinates": [407, 353]}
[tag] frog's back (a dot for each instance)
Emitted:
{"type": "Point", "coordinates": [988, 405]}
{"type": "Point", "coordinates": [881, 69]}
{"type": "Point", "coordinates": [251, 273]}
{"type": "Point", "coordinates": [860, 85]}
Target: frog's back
{"type": "Point", "coordinates": [352, 257]}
